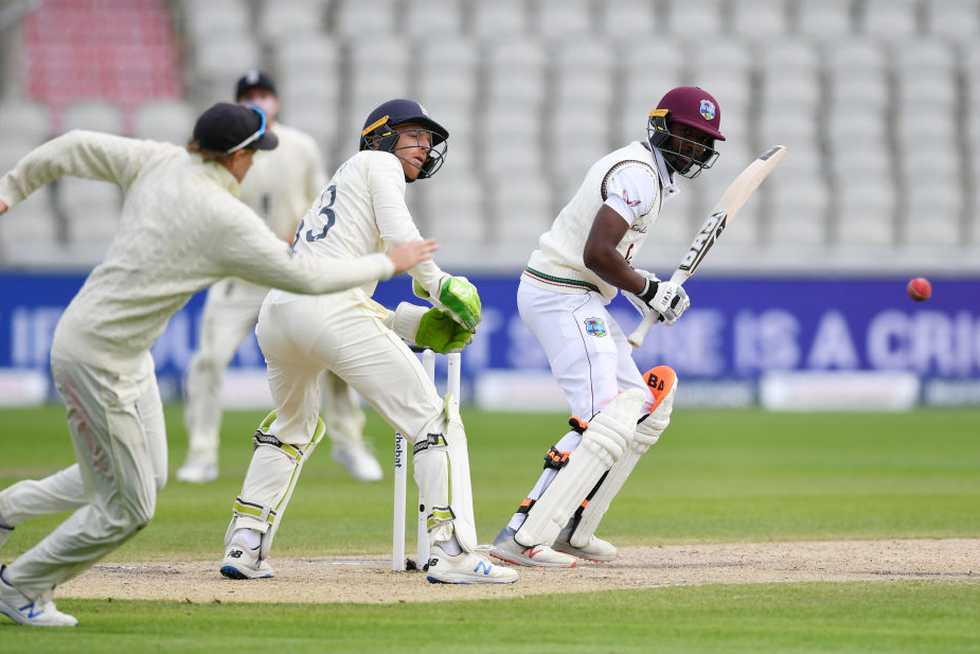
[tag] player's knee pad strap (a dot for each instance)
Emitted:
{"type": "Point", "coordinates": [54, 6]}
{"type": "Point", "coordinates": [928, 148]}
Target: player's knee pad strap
{"type": "Point", "coordinates": [603, 443]}
{"type": "Point", "coordinates": [442, 472]}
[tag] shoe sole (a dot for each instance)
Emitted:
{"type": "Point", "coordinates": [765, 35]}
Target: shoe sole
{"type": "Point", "coordinates": [469, 580]}
{"type": "Point", "coordinates": [587, 558]}
{"type": "Point", "coordinates": [530, 563]}
{"type": "Point", "coordinates": [16, 617]}
{"type": "Point", "coordinates": [231, 572]}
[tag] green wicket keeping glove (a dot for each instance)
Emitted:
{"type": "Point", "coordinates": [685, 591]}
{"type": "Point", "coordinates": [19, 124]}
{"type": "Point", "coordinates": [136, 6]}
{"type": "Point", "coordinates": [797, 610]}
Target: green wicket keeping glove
{"type": "Point", "coordinates": [440, 333]}
{"type": "Point", "coordinates": [458, 297]}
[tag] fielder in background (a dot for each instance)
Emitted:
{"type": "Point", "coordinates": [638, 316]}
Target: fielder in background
{"type": "Point", "coordinates": [280, 187]}
{"type": "Point", "coordinates": [360, 211]}
{"type": "Point", "coordinates": [579, 266]}
{"type": "Point", "coordinates": [181, 230]}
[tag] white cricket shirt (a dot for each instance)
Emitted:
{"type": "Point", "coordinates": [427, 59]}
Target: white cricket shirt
{"type": "Point", "coordinates": [182, 229]}
{"type": "Point", "coordinates": [631, 180]}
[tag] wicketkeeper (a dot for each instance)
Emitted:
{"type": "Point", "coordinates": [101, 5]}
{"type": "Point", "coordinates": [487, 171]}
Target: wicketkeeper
{"type": "Point", "coordinates": [361, 211]}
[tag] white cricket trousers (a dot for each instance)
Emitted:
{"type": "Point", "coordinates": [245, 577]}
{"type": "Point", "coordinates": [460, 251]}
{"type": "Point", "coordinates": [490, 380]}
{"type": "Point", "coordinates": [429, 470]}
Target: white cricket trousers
{"type": "Point", "coordinates": [117, 428]}
{"type": "Point", "coordinates": [230, 313]}
{"type": "Point", "coordinates": [302, 337]}
{"type": "Point", "coordinates": [589, 356]}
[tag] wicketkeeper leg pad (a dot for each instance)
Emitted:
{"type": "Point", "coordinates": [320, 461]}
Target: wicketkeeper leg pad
{"type": "Point", "coordinates": [269, 482]}
{"type": "Point", "coordinates": [603, 443]}
{"type": "Point", "coordinates": [662, 381]}
{"type": "Point", "coordinates": [442, 472]}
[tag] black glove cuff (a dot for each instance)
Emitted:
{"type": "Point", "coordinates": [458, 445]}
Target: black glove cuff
{"type": "Point", "coordinates": [649, 292]}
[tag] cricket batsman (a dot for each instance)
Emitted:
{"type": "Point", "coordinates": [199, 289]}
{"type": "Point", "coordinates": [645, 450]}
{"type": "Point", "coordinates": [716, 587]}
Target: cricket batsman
{"type": "Point", "coordinates": [579, 266]}
{"type": "Point", "coordinates": [362, 211]}
{"type": "Point", "coordinates": [280, 186]}
{"type": "Point", "coordinates": [182, 229]}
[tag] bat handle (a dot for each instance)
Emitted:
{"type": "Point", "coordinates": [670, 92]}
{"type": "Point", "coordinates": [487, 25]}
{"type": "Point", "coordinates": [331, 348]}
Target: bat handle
{"type": "Point", "coordinates": [636, 338]}
{"type": "Point", "coordinates": [640, 333]}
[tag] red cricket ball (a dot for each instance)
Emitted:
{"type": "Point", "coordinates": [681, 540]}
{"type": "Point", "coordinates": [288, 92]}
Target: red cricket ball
{"type": "Point", "coordinates": [919, 289]}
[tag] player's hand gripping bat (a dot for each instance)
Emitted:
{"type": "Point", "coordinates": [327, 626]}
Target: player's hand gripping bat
{"type": "Point", "coordinates": [733, 199]}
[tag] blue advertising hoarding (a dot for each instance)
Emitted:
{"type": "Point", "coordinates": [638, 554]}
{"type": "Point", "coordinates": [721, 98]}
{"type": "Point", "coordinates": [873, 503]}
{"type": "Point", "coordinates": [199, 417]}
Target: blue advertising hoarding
{"type": "Point", "coordinates": [738, 327]}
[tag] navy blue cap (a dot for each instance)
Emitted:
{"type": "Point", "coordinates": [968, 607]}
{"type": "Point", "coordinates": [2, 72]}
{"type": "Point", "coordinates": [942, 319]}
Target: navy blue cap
{"type": "Point", "coordinates": [226, 127]}
{"type": "Point", "coordinates": [254, 79]}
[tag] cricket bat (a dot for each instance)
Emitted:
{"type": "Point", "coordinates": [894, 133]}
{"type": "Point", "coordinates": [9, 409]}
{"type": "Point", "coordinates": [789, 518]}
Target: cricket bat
{"type": "Point", "coordinates": [733, 199]}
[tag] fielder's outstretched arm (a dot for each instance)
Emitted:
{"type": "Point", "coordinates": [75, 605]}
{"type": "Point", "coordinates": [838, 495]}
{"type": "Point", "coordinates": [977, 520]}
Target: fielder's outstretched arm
{"type": "Point", "coordinates": [246, 248]}
{"type": "Point", "coordinates": [79, 153]}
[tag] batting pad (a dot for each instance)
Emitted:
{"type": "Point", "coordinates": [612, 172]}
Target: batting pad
{"type": "Point", "coordinates": [603, 443]}
{"type": "Point", "coordinates": [270, 481]}
{"type": "Point", "coordinates": [442, 472]}
{"type": "Point", "coordinates": [662, 381]}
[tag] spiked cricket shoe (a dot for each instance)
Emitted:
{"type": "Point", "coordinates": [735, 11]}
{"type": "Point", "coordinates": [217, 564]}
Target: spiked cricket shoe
{"type": "Point", "coordinates": [509, 550]}
{"type": "Point", "coordinates": [597, 549]}
{"type": "Point", "coordinates": [243, 562]}
{"type": "Point", "coordinates": [466, 568]}
{"type": "Point", "coordinates": [33, 613]}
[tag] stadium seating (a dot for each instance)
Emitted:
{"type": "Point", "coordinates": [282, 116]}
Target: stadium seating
{"type": "Point", "coordinates": [868, 94]}
{"type": "Point", "coordinates": [170, 121]}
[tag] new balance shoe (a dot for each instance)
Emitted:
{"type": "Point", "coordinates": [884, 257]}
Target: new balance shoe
{"type": "Point", "coordinates": [243, 562]}
{"type": "Point", "coordinates": [507, 549]}
{"type": "Point", "coordinates": [33, 613]}
{"type": "Point", "coordinates": [466, 568]}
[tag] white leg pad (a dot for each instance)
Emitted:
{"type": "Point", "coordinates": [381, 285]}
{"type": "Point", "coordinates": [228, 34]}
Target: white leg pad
{"type": "Point", "coordinates": [603, 443]}
{"type": "Point", "coordinates": [269, 482]}
{"type": "Point", "coordinates": [647, 434]}
{"type": "Point", "coordinates": [442, 473]}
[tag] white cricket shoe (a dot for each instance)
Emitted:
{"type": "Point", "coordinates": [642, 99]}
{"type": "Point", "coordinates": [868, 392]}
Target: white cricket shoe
{"type": "Point", "coordinates": [507, 549]}
{"type": "Point", "coordinates": [358, 460]}
{"type": "Point", "coordinates": [34, 613]}
{"type": "Point", "coordinates": [195, 471]}
{"type": "Point", "coordinates": [243, 562]}
{"type": "Point", "coordinates": [466, 568]}
{"type": "Point", "coordinates": [601, 551]}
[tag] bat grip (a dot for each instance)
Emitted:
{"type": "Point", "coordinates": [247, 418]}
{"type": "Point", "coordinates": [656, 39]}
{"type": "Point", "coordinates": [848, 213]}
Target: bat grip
{"type": "Point", "coordinates": [636, 337]}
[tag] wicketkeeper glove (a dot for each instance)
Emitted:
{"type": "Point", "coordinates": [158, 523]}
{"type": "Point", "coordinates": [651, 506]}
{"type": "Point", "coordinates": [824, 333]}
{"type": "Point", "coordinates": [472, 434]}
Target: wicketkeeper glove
{"type": "Point", "coordinates": [429, 328]}
{"type": "Point", "coordinates": [457, 297]}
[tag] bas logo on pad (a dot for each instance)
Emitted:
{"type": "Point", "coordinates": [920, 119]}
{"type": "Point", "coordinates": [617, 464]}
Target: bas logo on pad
{"type": "Point", "coordinates": [595, 327]}
{"type": "Point", "coordinates": [707, 109]}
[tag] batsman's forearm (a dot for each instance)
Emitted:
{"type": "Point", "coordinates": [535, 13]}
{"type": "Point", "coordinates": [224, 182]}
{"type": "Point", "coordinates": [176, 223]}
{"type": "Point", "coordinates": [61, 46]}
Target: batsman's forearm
{"type": "Point", "coordinates": [612, 268]}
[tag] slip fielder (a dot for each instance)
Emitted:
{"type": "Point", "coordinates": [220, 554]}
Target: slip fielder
{"type": "Point", "coordinates": [181, 229]}
{"type": "Point", "coordinates": [580, 265]}
{"type": "Point", "coordinates": [280, 186]}
{"type": "Point", "coordinates": [360, 211]}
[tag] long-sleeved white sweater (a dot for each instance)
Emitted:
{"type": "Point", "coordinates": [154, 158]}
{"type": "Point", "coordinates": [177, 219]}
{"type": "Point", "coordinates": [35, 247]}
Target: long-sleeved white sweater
{"type": "Point", "coordinates": [182, 229]}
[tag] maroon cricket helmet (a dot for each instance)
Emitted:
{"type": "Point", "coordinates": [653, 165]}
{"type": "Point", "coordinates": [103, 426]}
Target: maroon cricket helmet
{"type": "Point", "coordinates": [695, 107]}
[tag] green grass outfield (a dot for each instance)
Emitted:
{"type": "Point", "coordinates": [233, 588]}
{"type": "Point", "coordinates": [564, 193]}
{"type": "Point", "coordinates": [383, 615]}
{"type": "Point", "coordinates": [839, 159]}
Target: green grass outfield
{"type": "Point", "coordinates": [716, 476]}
